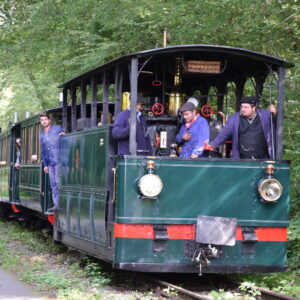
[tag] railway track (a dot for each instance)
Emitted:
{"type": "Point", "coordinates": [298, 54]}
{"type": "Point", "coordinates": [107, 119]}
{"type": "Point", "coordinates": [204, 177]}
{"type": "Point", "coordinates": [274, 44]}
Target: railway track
{"type": "Point", "coordinates": [204, 295]}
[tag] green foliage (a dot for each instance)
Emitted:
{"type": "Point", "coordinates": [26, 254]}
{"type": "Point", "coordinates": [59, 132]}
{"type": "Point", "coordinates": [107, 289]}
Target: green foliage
{"type": "Point", "coordinates": [285, 283]}
{"type": "Point", "coordinates": [226, 295]}
{"type": "Point", "coordinates": [31, 255]}
{"type": "Point", "coordinates": [53, 279]}
{"type": "Point", "coordinates": [93, 270]}
{"type": "Point", "coordinates": [45, 42]}
{"type": "Point", "coordinates": [249, 288]}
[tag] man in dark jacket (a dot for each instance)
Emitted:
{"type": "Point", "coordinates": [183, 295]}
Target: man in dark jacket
{"type": "Point", "coordinates": [252, 131]}
{"type": "Point", "coordinates": [121, 131]}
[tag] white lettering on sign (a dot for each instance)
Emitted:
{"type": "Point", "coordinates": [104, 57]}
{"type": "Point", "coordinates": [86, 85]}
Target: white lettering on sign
{"type": "Point", "coordinates": [163, 139]}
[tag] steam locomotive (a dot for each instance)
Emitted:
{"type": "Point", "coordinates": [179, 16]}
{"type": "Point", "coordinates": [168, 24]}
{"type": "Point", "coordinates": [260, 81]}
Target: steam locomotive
{"type": "Point", "coordinates": [161, 213]}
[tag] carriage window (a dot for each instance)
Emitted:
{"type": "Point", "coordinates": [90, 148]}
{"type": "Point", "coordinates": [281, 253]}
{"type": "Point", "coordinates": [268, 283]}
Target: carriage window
{"type": "Point", "coordinates": [270, 92]}
{"type": "Point", "coordinates": [7, 149]}
{"type": "Point", "coordinates": [30, 136]}
{"type": "Point", "coordinates": [249, 88]}
{"type": "Point", "coordinates": [23, 145]}
{"type": "Point", "coordinates": [37, 141]}
{"type": "Point", "coordinates": [4, 147]}
{"type": "Point", "coordinates": [3, 154]}
{"type": "Point", "coordinates": [5, 158]}
{"type": "Point", "coordinates": [230, 99]}
{"type": "Point", "coordinates": [27, 144]}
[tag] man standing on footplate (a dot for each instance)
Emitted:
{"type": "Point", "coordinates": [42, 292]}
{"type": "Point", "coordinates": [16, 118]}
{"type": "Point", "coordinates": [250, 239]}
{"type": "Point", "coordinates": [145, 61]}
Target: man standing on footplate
{"type": "Point", "coordinates": [50, 148]}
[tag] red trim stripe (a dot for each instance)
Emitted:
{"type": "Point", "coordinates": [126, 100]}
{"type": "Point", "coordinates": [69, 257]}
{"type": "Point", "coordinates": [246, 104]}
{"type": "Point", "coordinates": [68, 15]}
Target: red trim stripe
{"type": "Point", "coordinates": [15, 209]}
{"type": "Point", "coordinates": [51, 219]}
{"type": "Point", "coordinates": [187, 232]}
{"type": "Point", "coordinates": [266, 234]}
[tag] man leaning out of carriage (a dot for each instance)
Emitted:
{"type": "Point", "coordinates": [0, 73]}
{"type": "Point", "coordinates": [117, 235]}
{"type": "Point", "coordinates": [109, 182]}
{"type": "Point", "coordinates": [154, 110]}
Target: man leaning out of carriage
{"type": "Point", "coordinates": [50, 148]}
{"type": "Point", "coordinates": [252, 131]}
{"type": "Point", "coordinates": [194, 133]}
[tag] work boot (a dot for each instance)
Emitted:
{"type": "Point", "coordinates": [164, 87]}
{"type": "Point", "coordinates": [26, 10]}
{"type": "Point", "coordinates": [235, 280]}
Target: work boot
{"type": "Point", "coordinates": [54, 208]}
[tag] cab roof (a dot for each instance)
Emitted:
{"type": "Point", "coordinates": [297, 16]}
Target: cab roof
{"type": "Point", "coordinates": [239, 56]}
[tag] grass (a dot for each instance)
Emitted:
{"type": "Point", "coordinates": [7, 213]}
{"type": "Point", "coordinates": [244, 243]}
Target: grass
{"type": "Point", "coordinates": [57, 272]}
{"type": "Point", "coordinates": [285, 283]}
{"type": "Point", "coordinates": [67, 275]}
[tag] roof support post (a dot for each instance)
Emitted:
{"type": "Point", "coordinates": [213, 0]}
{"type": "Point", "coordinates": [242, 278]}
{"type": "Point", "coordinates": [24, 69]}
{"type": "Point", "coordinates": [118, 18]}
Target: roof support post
{"type": "Point", "coordinates": [105, 98]}
{"type": "Point", "coordinates": [94, 102]}
{"type": "Point", "coordinates": [221, 88]}
{"type": "Point", "coordinates": [279, 125]}
{"type": "Point", "coordinates": [83, 104]}
{"type": "Point", "coordinates": [73, 108]}
{"type": "Point", "coordinates": [259, 85]}
{"type": "Point", "coordinates": [65, 110]}
{"type": "Point", "coordinates": [133, 101]}
{"type": "Point", "coordinates": [118, 89]}
{"type": "Point", "coordinates": [240, 84]}
{"type": "Point", "coordinates": [163, 87]}
{"type": "Point", "coordinates": [204, 92]}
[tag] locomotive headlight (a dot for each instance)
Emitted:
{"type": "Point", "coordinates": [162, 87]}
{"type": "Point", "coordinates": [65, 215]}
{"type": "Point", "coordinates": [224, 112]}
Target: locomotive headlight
{"type": "Point", "coordinates": [150, 185]}
{"type": "Point", "coordinates": [270, 190]}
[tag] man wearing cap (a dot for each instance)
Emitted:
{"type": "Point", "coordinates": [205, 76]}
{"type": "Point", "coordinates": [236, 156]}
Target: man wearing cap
{"type": "Point", "coordinates": [194, 133]}
{"type": "Point", "coordinates": [121, 131]}
{"type": "Point", "coordinates": [251, 131]}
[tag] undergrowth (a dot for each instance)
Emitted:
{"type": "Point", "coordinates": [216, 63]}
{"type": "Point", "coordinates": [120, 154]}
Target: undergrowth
{"type": "Point", "coordinates": [56, 271]}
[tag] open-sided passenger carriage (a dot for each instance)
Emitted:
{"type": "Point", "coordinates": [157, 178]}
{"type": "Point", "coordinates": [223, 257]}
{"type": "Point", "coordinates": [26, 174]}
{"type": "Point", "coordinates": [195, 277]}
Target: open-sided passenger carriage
{"type": "Point", "coordinates": [209, 215]}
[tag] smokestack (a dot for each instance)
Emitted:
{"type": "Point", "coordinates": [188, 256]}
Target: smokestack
{"type": "Point", "coordinates": [15, 117]}
{"type": "Point", "coordinates": [166, 38]}
{"type": "Point", "coordinates": [60, 100]}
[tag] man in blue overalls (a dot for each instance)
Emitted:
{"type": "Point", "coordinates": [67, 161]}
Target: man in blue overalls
{"type": "Point", "coordinates": [50, 148]}
{"type": "Point", "coordinates": [194, 133]}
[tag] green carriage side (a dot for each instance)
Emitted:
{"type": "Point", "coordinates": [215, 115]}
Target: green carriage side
{"type": "Point", "coordinates": [5, 166]}
{"type": "Point", "coordinates": [84, 192]}
{"type": "Point", "coordinates": [28, 186]}
{"type": "Point", "coordinates": [30, 172]}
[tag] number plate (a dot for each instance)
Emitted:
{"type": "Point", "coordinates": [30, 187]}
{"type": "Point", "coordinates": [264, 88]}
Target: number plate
{"type": "Point", "coordinates": [216, 230]}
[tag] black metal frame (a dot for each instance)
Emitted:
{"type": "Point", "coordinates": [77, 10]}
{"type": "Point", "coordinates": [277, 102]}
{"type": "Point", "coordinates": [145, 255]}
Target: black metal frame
{"type": "Point", "coordinates": [194, 268]}
{"type": "Point", "coordinates": [113, 71]}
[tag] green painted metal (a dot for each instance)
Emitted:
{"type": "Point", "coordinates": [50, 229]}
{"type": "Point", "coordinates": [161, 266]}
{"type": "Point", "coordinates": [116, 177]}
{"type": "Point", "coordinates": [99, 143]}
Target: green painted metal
{"type": "Point", "coordinates": [219, 187]}
{"type": "Point", "coordinates": [30, 187]}
{"type": "Point", "coordinates": [30, 121]}
{"type": "Point", "coordinates": [4, 183]}
{"type": "Point", "coordinates": [5, 169]}
{"type": "Point", "coordinates": [224, 188]}
{"type": "Point", "coordinates": [83, 185]}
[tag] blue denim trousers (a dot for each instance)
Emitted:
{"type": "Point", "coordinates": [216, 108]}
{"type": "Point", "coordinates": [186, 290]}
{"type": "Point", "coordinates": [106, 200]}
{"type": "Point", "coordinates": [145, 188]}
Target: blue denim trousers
{"type": "Point", "coordinates": [54, 182]}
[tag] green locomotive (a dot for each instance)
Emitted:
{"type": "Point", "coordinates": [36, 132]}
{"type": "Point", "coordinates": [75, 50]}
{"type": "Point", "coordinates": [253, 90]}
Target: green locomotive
{"type": "Point", "coordinates": [161, 213]}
